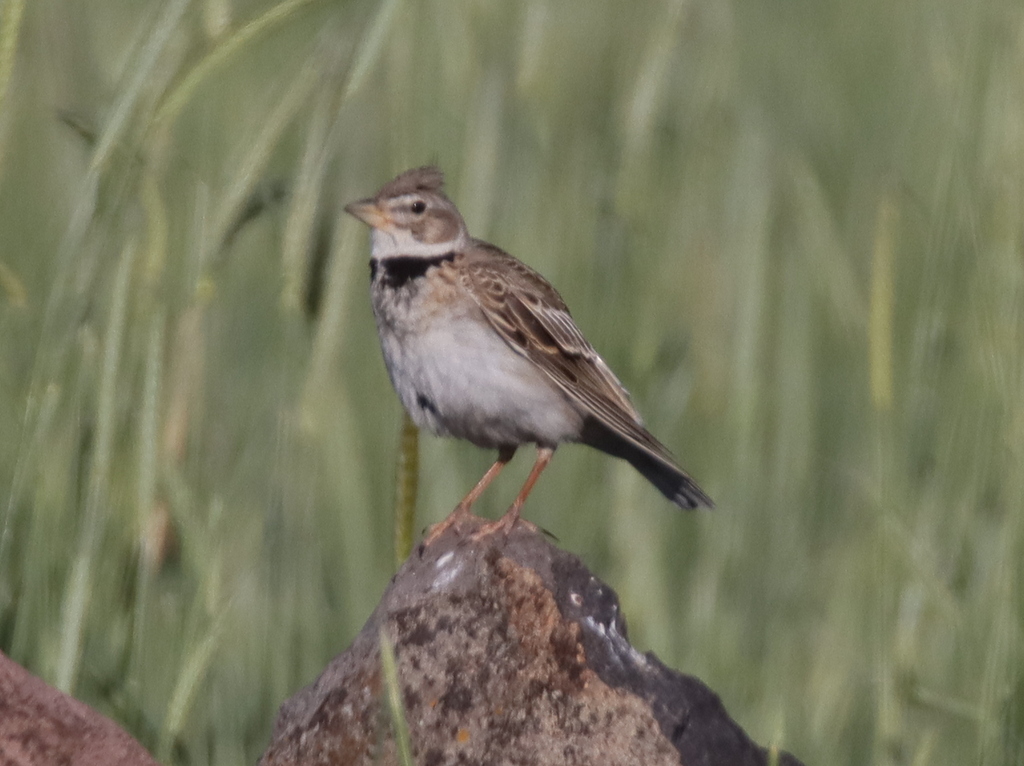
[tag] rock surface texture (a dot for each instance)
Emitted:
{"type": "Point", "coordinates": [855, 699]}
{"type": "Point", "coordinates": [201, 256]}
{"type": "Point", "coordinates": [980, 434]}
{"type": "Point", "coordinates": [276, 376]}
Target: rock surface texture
{"type": "Point", "coordinates": [40, 726]}
{"type": "Point", "coordinates": [509, 652]}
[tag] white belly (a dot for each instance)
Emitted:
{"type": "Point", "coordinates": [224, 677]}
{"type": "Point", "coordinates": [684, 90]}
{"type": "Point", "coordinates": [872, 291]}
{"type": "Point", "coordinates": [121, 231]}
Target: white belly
{"type": "Point", "coordinates": [457, 377]}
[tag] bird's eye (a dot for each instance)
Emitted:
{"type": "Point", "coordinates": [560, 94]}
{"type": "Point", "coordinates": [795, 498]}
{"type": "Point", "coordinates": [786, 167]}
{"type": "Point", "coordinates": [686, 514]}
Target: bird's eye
{"type": "Point", "coordinates": [418, 206]}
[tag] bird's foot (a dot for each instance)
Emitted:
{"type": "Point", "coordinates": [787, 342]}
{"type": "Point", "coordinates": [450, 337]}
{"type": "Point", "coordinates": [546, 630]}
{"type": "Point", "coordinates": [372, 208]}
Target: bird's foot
{"type": "Point", "coordinates": [504, 525]}
{"type": "Point", "coordinates": [454, 519]}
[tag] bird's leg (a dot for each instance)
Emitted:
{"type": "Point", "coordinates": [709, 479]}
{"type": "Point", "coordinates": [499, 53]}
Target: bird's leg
{"type": "Point", "coordinates": [461, 511]}
{"type": "Point", "coordinates": [511, 517]}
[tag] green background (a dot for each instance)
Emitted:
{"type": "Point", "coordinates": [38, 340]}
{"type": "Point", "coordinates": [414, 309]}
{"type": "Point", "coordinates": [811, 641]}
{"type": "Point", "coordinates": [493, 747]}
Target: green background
{"type": "Point", "coordinates": [794, 229]}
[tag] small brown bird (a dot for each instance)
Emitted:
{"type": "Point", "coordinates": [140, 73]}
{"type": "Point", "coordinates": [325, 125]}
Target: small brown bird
{"type": "Point", "coordinates": [479, 346]}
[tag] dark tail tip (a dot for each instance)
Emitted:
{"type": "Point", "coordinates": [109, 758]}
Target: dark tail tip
{"type": "Point", "coordinates": [671, 480]}
{"type": "Point", "coordinates": [681, 490]}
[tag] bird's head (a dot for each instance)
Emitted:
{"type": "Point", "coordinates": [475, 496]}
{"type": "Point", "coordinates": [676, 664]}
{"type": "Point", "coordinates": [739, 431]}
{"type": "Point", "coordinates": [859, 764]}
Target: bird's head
{"type": "Point", "coordinates": [411, 216]}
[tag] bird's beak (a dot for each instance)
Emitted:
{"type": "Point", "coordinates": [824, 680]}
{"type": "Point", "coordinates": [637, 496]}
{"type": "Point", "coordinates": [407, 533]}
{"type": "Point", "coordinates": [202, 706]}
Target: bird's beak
{"type": "Point", "coordinates": [369, 212]}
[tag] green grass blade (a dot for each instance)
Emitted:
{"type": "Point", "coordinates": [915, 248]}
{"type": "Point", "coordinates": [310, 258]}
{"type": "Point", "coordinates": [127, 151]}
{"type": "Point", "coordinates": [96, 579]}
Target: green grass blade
{"type": "Point", "coordinates": [11, 14]}
{"type": "Point", "coordinates": [79, 591]}
{"type": "Point", "coordinates": [407, 475]}
{"type": "Point", "coordinates": [396, 708]}
{"type": "Point", "coordinates": [224, 51]}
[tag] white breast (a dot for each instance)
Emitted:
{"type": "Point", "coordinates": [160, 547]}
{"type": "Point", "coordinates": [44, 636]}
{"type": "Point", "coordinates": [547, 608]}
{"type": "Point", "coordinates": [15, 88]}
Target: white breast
{"type": "Point", "coordinates": [457, 377]}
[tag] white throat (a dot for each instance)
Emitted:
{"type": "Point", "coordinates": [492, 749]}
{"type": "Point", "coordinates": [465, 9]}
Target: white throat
{"type": "Point", "coordinates": [401, 242]}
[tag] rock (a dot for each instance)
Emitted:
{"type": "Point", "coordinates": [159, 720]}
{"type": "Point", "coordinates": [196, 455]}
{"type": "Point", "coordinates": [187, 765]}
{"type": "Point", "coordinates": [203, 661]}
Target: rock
{"type": "Point", "coordinates": [509, 652]}
{"type": "Point", "coordinates": [41, 726]}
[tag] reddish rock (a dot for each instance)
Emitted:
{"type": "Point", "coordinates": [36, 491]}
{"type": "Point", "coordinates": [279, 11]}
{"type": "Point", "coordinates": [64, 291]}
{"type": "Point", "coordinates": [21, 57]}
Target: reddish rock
{"type": "Point", "coordinates": [41, 726]}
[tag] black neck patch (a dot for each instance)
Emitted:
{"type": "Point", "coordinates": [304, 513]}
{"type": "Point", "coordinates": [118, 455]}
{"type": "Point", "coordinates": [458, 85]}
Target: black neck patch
{"type": "Point", "coordinates": [401, 269]}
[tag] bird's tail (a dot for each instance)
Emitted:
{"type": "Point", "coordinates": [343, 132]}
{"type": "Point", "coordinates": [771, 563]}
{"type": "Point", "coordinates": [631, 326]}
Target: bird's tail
{"type": "Point", "coordinates": [656, 465]}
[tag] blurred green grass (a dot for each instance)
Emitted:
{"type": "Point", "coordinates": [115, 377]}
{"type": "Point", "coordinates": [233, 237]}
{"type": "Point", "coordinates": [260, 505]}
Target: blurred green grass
{"type": "Point", "coordinates": [795, 230]}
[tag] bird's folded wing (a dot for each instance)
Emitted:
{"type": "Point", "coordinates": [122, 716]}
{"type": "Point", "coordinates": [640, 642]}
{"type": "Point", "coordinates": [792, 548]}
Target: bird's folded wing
{"type": "Point", "coordinates": [532, 318]}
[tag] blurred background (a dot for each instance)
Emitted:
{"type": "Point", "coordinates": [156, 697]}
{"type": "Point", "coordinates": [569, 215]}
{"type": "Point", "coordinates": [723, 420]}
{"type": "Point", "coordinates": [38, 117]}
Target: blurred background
{"type": "Point", "coordinates": [795, 230]}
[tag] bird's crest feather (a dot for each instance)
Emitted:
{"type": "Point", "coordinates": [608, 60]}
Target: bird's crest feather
{"type": "Point", "coordinates": [426, 179]}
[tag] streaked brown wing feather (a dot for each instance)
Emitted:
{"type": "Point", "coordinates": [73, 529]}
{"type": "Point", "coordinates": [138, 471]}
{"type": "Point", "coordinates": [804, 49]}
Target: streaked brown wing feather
{"type": "Point", "coordinates": [534, 320]}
